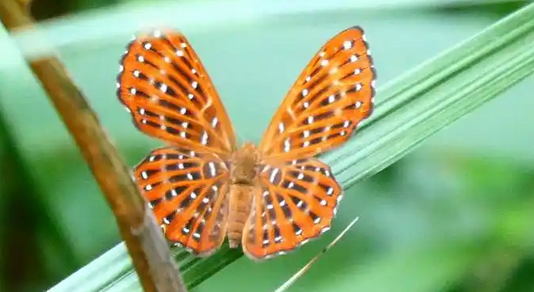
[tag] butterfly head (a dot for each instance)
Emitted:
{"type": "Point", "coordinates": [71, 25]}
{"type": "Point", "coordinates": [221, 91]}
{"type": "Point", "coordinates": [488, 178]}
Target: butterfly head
{"type": "Point", "coordinates": [244, 164]}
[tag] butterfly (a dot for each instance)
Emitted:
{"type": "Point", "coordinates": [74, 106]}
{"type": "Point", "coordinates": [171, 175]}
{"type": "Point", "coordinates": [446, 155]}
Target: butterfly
{"type": "Point", "coordinates": [270, 198]}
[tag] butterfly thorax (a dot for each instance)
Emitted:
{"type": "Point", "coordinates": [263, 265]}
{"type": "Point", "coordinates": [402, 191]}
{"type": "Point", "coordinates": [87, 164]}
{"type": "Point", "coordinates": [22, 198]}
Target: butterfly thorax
{"type": "Point", "coordinates": [243, 165]}
{"type": "Point", "coordinates": [243, 179]}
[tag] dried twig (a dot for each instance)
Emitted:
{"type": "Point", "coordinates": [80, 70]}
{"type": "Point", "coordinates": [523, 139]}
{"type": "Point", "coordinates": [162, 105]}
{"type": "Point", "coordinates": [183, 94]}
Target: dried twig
{"type": "Point", "coordinates": [150, 254]}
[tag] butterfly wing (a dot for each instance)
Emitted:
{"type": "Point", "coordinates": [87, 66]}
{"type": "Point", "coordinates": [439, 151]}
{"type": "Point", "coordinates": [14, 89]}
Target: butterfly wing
{"type": "Point", "coordinates": [299, 194]}
{"type": "Point", "coordinates": [170, 95]}
{"type": "Point", "coordinates": [297, 202]}
{"type": "Point", "coordinates": [187, 192]}
{"type": "Point", "coordinates": [332, 95]}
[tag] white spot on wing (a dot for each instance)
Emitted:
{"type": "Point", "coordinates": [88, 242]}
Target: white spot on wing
{"type": "Point", "coordinates": [163, 87]}
{"type": "Point", "coordinates": [204, 138]}
{"type": "Point", "coordinates": [287, 145]}
{"type": "Point", "coordinates": [331, 98]}
{"type": "Point", "coordinates": [273, 175]}
{"type": "Point", "coordinates": [212, 168]}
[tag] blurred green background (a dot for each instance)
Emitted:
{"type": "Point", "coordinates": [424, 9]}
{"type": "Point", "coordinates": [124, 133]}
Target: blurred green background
{"type": "Point", "coordinates": [455, 215]}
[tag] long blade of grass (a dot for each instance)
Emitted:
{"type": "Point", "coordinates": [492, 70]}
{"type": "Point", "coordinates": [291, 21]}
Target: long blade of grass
{"type": "Point", "coordinates": [409, 110]}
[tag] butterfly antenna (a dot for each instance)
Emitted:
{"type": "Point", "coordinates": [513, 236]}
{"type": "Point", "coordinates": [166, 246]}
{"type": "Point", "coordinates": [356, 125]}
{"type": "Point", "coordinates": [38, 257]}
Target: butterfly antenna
{"type": "Point", "coordinates": [306, 267]}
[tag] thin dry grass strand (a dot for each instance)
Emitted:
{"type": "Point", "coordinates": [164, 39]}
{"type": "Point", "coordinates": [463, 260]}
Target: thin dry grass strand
{"type": "Point", "coordinates": [306, 267]}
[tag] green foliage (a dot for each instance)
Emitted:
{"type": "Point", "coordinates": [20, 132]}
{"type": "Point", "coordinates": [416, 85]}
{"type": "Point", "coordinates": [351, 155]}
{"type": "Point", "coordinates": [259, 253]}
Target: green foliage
{"type": "Point", "coordinates": [453, 216]}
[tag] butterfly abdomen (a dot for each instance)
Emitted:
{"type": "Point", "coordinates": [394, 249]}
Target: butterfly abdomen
{"type": "Point", "coordinates": [240, 206]}
{"type": "Point", "coordinates": [242, 183]}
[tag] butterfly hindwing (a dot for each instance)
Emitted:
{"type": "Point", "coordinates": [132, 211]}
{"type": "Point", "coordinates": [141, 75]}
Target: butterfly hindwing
{"type": "Point", "coordinates": [330, 98]}
{"type": "Point", "coordinates": [170, 95]}
{"type": "Point", "coordinates": [296, 201]}
{"type": "Point", "coordinates": [187, 192]}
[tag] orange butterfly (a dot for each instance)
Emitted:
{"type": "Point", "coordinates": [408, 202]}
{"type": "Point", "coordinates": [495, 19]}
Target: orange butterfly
{"type": "Point", "coordinates": [203, 187]}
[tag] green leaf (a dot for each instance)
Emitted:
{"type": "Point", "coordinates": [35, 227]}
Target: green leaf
{"type": "Point", "coordinates": [410, 109]}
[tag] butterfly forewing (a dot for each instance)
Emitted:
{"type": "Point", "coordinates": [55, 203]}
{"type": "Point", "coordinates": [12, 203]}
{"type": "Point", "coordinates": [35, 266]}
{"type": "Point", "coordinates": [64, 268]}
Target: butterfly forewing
{"type": "Point", "coordinates": [170, 95]}
{"type": "Point", "coordinates": [297, 202]}
{"type": "Point", "coordinates": [187, 192]}
{"type": "Point", "coordinates": [330, 98]}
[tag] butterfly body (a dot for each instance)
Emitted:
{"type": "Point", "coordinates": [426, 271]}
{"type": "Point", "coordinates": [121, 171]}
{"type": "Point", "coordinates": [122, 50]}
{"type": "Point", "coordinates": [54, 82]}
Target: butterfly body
{"type": "Point", "coordinates": [243, 183]}
{"type": "Point", "coordinates": [202, 187]}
